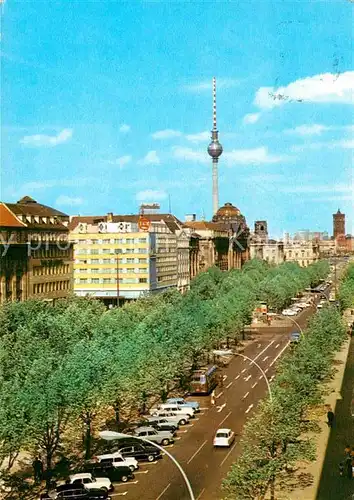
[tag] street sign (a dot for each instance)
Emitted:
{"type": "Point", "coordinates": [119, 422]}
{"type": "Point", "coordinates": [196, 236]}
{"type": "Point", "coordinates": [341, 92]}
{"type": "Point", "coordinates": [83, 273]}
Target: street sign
{"type": "Point", "coordinates": [144, 224]}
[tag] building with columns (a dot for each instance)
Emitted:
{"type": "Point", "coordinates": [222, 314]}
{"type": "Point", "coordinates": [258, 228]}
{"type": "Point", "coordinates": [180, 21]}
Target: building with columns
{"type": "Point", "coordinates": [36, 258]}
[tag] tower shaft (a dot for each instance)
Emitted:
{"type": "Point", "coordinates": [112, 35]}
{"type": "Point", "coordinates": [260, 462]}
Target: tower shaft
{"type": "Point", "coordinates": [215, 186]}
{"type": "Point", "coordinates": [215, 150]}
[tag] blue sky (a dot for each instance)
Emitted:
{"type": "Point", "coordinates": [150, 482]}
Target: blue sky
{"type": "Point", "coordinates": [107, 104]}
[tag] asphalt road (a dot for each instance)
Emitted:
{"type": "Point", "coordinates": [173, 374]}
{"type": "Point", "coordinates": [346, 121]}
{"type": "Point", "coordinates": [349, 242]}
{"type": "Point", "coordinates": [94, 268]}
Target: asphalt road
{"type": "Point", "coordinates": [205, 466]}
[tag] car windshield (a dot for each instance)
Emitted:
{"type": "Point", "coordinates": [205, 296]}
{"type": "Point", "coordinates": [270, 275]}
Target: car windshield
{"type": "Point", "coordinates": [222, 435]}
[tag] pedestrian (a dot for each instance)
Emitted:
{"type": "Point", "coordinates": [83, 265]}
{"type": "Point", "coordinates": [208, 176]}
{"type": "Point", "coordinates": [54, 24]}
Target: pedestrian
{"type": "Point", "coordinates": [347, 450]}
{"type": "Point", "coordinates": [341, 468]}
{"type": "Point", "coordinates": [212, 398]}
{"type": "Point", "coordinates": [330, 417]}
{"type": "Point", "coordinates": [37, 470]}
{"type": "Point", "coordinates": [348, 467]}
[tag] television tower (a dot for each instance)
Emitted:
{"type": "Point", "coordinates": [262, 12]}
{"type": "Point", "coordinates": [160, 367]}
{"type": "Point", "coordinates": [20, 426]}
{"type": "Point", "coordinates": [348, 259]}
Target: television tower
{"type": "Point", "coordinates": [215, 150]}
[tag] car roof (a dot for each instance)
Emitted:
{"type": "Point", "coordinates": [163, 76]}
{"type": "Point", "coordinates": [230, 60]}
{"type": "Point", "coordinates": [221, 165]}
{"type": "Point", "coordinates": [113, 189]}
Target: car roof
{"type": "Point", "coordinates": [145, 428]}
{"type": "Point", "coordinates": [81, 475]}
{"type": "Point", "coordinates": [223, 430]}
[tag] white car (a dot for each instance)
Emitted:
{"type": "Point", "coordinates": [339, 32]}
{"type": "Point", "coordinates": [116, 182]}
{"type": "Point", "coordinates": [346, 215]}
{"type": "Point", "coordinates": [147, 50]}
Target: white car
{"type": "Point", "coordinates": [224, 437]}
{"type": "Point", "coordinates": [179, 410]}
{"type": "Point", "coordinates": [100, 483]}
{"type": "Point", "coordinates": [289, 312]}
{"type": "Point", "coordinates": [172, 417]}
{"type": "Point", "coordinates": [118, 460]}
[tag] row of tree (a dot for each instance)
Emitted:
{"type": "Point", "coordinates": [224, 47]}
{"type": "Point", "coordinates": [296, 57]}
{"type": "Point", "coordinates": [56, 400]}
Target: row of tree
{"type": "Point", "coordinates": [346, 291]}
{"type": "Point", "coordinates": [65, 368]}
{"type": "Point", "coordinates": [275, 439]}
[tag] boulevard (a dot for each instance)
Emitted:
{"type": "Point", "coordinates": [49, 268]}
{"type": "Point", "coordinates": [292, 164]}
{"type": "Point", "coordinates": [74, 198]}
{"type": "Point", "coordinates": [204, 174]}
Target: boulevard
{"type": "Point", "coordinates": [243, 387]}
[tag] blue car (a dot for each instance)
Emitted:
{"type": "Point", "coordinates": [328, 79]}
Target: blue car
{"type": "Point", "coordinates": [295, 337]}
{"type": "Point", "coordinates": [182, 402]}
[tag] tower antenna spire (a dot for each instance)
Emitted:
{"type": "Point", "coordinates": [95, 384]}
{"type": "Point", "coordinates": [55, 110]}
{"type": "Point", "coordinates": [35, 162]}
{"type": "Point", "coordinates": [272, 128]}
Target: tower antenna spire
{"type": "Point", "coordinates": [215, 150]}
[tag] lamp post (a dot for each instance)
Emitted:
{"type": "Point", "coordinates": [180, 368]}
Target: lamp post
{"type": "Point", "coordinates": [110, 435]}
{"type": "Point", "coordinates": [262, 372]}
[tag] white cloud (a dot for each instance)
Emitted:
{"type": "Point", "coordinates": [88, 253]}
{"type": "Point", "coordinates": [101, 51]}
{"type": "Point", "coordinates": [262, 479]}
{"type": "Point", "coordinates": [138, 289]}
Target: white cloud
{"type": "Point", "coordinates": [343, 144]}
{"type": "Point", "coordinates": [151, 158]}
{"type": "Point", "coordinates": [41, 140]}
{"type": "Point", "coordinates": [252, 156]}
{"type": "Point", "coordinates": [221, 83]}
{"type": "Point", "coordinates": [200, 137]}
{"type": "Point", "coordinates": [121, 161]}
{"type": "Point", "coordinates": [325, 88]}
{"type": "Point", "coordinates": [150, 195]}
{"type": "Point", "coordinates": [314, 129]}
{"type": "Point", "coordinates": [251, 118]}
{"type": "Point", "coordinates": [68, 200]}
{"type": "Point", "coordinates": [124, 128]}
{"type": "Point", "coordinates": [166, 134]}
{"type": "Point", "coordinates": [189, 154]}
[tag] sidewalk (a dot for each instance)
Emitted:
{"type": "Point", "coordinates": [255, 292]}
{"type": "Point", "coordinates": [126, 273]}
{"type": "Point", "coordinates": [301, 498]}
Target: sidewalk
{"type": "Point", "coordinates": [330, 442]}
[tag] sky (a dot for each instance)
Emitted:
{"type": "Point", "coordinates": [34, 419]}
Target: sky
{"type": "Point", "coordinates": [108, 104]}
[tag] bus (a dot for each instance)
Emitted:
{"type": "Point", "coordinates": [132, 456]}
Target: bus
{"type": "Point", "coordinates": [204, 380]}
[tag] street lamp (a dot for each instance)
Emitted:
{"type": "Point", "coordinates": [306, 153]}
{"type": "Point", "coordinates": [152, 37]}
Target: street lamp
{"type": "Point", "coordinates": [110, 435]}
{"type": "Point", "coordinates": [262, 372]}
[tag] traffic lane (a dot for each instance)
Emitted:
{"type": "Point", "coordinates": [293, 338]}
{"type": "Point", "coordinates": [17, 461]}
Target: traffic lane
{"type": "Point", "coordinates": [195, 437]}
{"type": "Point", "coordinates": [190, 452]}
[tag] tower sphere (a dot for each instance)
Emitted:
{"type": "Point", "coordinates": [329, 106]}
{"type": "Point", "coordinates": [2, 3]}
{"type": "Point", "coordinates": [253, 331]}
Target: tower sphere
{"type": "Point", "coordinates": [215, 149]}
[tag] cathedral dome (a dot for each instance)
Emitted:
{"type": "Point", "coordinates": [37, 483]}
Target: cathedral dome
{"type": "Point", "coordinates": [228, 211]}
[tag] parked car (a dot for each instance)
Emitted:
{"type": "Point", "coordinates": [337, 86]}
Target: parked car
{"type": "Point", "coordinates": [162, 423]}
{"type": "Point", "coordinates": [118, 460]}
{"type": "Point", "coordinates": [289, 312]}
{"type": "Point", "coordinates": [182, 402]}
{"type": "Point", "coordinates": [179, 410]}
{"type": "Point", "coordinates": [171, 416]}
{"type": "Point", "coordinates": [82, 494]}
{"type": "Point", "coordinates": [115, 474]}
{"type": "Point", "coordinates": [90, 482]}
{"type": "Point", "coordinates": [140, 451]}
{"type": "Point", "coordinates": [159, 437]}
{"type": "Point", "coordinates": [224, 437]}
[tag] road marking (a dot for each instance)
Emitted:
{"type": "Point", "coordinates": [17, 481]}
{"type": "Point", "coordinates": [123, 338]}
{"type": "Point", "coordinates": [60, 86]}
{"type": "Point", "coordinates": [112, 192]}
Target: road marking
{"type": "Point", "coordinates": [260, 378]}
{"type": "Point", "coordinates": [229, 385]}
{"type": "Point", "coordinates": [265, 359]}
{"type": "Point", "coordinates": [254, 385]}
{"type": "Point", "coordinates": [247, 378]}
{"type": "Point", "coordinates": [141, 472]}
{"type": "Point", "coordinates": [197, 418]}
{"type": "Point", "coordinates": [265, 371]}
{"type": "Point", "coordinates": [220, 408]}
{"type": "Point", "coordinates": [281, 352]}
{"type": "Point", "coordinates": [176, 438]}
{"type": "Point", "coordinates": [118, 494]}
{"type": "Point", "coordinates": [259, 345]}
{"type": "Point", "coordinates": [228, 454]}
{"type": "Point", "coordinates": [206, 408]}
{"type": "Point", "coordinates": [245, 359]}
{"type": "Point", "coordinates": [245, 396]}
{"type": "Point", "coordinates": [151, 463]}
{"type": "Point", "coordinates": [183, 431]}
{"type": "Point", "coordinates": [224, 377]}
{"type": "Point", "coordinates": [200, 494]}
{"type": "Point", "coordinates": [277, 346]}
{"type": "Point", "coordinates": [249, 408]}
{"type": "Point", "coordinates": [243, 371]}
{"type": "Point", "coordinates": [223, 420]}
{"type": "Point", "coordinates": [164, 491]}
{"type": "Point", "coordinates": [218, 396]}
{"type": "Point", "coordinates": [260, 354]}
{"type": "Point", "coordinates": [198, 450]}
{"type": "Point", "coordinates": [272, 378]}
{"type": "Point", "coordinates": [238, 376]}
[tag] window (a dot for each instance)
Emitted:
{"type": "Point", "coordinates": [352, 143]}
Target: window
{"type": "Point", "coordinates": [142, 280]}
{"type": "Point", "coordinates": [106, 250]}
{"type": "Point", "coordinates": [130, 261]}
{"type": "Point", "coordinates": [142, 261]}
{"type": "Point", "coordinates": [94, 261]}
{"type": "Point", "coordinates": [129, 250]}
{"type": "Point", "coordinates": [142, 240]}
{"type": "Point", "coordinates": [118, 241]}
{"type": "Point", "coordinates": [106, 280]}
{"type": "Point", "coordinates": [95, 280]}
{"type": "Point", "coordinates": [96, 270]}
{"type": "Point", "coordinates": [82, 270]}
{"type": "Point", "coordinates": [83, 280]}
{"type": "Point", "coordinates": [106, 261]}
{"type": "Point", "coordinates": [130, 240]}
{"type": "Point", "coordinates": [106, 241]}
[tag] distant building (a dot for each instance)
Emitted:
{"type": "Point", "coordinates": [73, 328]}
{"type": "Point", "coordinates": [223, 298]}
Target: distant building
{"type": "Point", "coordinates": [302, 252]}
{"type": "Point", "coordinates": [36, 256]}
{"type": "Point", "coordinates": [338, 224]}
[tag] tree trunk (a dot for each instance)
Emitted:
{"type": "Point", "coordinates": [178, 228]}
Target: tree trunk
{"type": "Point", "coordinates": [272, 488]}
{"type": "Point", "coordinates": [88, 429]}
{"type": "Point", "coordinates": [49, 459]}
{"type": "Point", "coordinates": [116, 412]}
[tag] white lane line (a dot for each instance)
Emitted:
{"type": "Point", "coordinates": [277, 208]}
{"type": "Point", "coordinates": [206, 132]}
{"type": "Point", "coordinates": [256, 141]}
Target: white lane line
{"type": "Point", "coordinates": [238, 376]}
{"type": "Point", "coordinates": [200, 494]}
{"type": "Point", "coordinates": [164, 491]}
{"type": "Point", "coordinates": [245, 396]}
{"type": "Point", "coordinates": [277, 346]}
{"type": "Point", "coordinates": [281, 352]}
{"type": "Point", "coordinates": [265, 371]}
{"type": "Point", "coordinates": [224, 377]}
{"type": "Point", "coordinates": [198, 450]}
{"type": "Point", "coordinates": [220, 408]}
{"type": "Point", "coordinates": [272, 378]}
{"type": "Point", "coordinates": [176, 438]}
{"type": "Point", "coordinates": [141, 471]}
{"type": "Point", "coordinates": [223, 420]}
{"type": "Point", "coordinates": [243, 371]}
{"type": "Point", "coordinates": [119, 494]}
{"type": "Point", "coordinates": [229, 385]}
{"type": "Point", "coordinates": [260, 378]}
{"type": "Point", "coordinates": [244, 360]}
{"type": "Point", "coordinates": [254, 385]}
{"type": "Point", "coordinates": [265, 359]}
{"type": "Point", "coordinates": [227, 456]}
{"type": "Point", "coordinates": [218, 396]}
{"type": "Point", "coordinates": [249, 408]}
{"type": "Point", "coordinates": [260, 354]}
{"type": "Point", "coordinates": [183, 431]}
{"type": "Point", "coordinates": [247, 378]}
{"type": "Point", "coordinates": [206, 408]}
